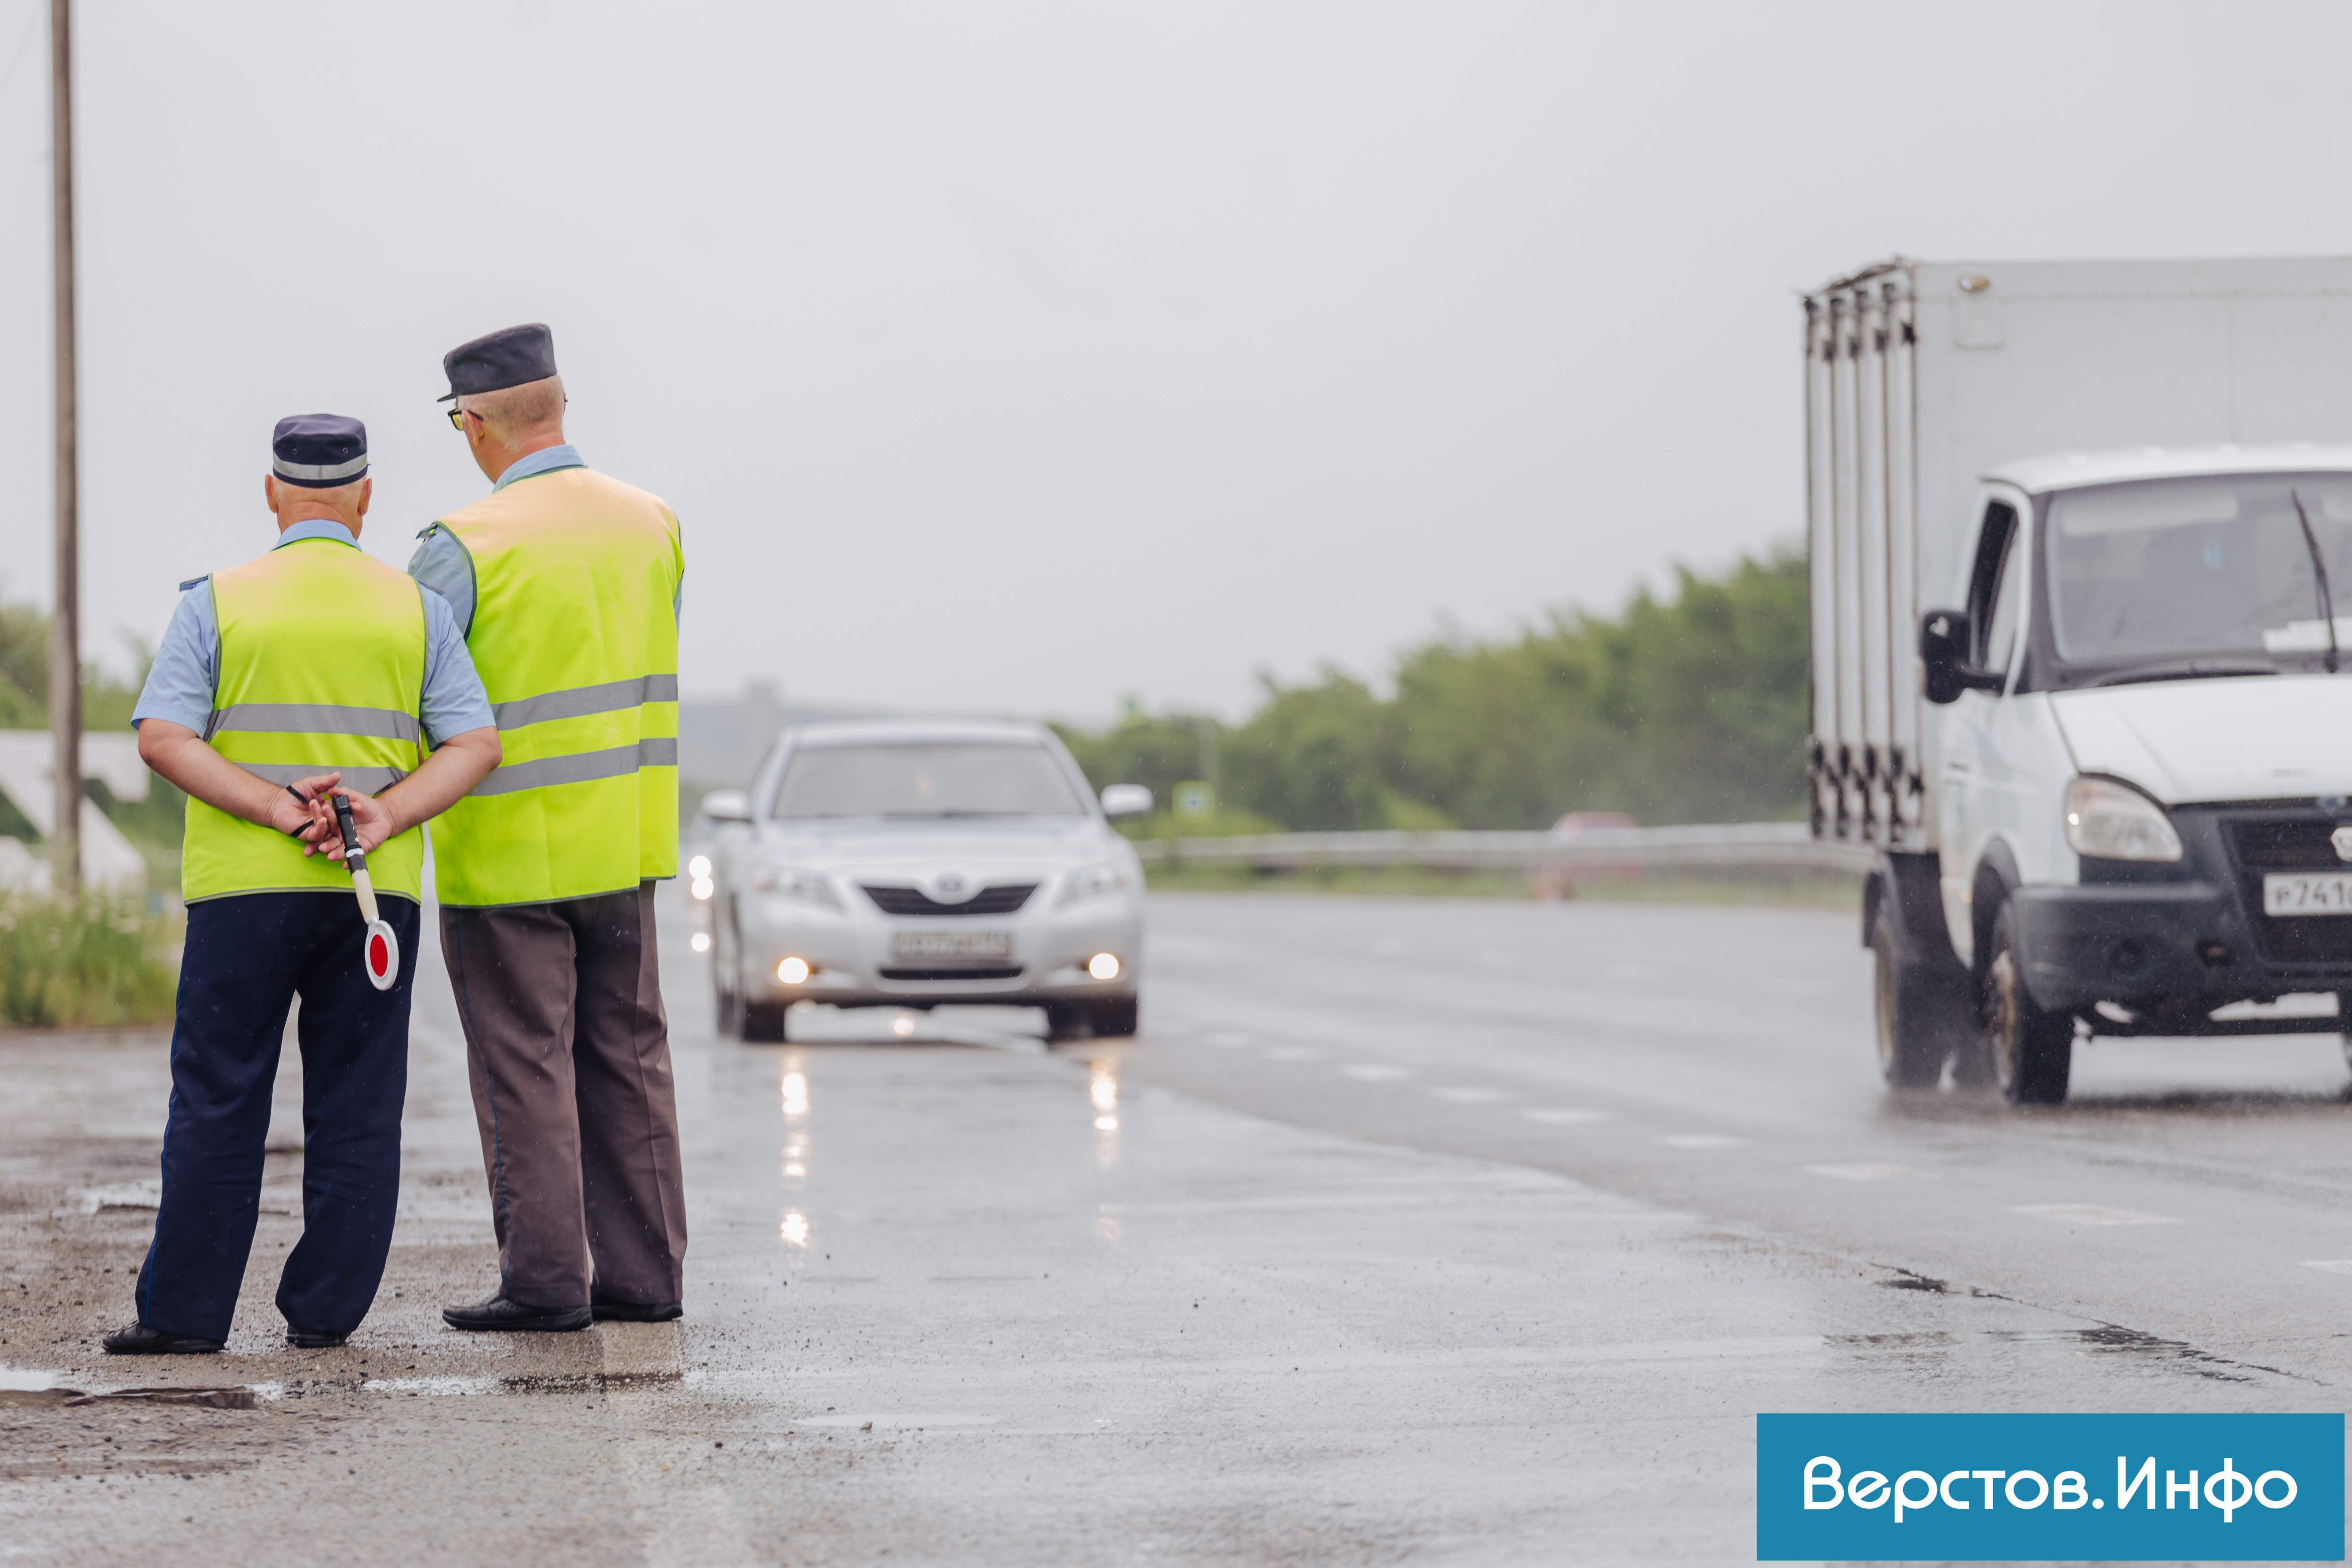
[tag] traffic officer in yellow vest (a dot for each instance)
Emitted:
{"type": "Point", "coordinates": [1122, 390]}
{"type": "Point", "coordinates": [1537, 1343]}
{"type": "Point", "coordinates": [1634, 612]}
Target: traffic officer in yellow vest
{"type": "Point", "coordinates": [567, 583]}
{"type": "Point", "coordinates": [314, 670]}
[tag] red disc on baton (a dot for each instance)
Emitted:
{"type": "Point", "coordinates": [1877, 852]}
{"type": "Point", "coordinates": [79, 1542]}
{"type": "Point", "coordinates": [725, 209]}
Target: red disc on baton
{"type": "Point", "coordinates": [383, 956]}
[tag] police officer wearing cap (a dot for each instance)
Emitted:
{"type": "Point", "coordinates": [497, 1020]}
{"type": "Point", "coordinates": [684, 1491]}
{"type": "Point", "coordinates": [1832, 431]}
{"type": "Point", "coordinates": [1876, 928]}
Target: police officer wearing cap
{"type": "Point", "coordinates": [566, 582]}
{"type": "Point", "coordinates": [312, 671]}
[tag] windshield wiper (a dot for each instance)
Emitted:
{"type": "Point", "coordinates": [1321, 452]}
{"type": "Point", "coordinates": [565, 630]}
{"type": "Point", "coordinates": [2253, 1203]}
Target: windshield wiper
{"type": "Point", "coordinates": [2186, 670]}
{"type": "Point", "coordinates": [2320, 572]}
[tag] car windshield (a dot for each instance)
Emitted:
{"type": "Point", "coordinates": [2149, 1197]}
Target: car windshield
{"type": "Point", "coordinates": [2167, 569]}
{"type": "Point", "coordinates": [950, 779]}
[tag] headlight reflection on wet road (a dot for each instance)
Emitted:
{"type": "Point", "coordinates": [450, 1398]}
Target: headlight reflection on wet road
{"type": "Point", "coordinates": [1102, 1088]}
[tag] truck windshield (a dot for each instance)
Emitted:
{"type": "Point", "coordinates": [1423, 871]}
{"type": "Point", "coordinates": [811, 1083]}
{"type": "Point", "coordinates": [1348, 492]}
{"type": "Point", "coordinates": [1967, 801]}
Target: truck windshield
{"type": "Point", "coordinates": [952, 779]}
{"type": "Point", "coordinates": [2168, 569]}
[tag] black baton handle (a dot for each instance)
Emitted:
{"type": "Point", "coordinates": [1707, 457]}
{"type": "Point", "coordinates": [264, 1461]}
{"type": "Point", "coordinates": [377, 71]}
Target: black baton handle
{"type": "Point", "coordinates": [354, 858]}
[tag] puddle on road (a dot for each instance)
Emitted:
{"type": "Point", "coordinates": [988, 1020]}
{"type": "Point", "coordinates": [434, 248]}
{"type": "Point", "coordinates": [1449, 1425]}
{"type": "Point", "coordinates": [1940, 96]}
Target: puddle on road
{"type": "Point", "coordinates": [2103, 1340]}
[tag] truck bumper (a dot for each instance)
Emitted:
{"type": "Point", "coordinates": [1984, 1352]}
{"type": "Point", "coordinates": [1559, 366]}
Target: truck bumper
{"type": "Point", "coordinates": [2188, 945]}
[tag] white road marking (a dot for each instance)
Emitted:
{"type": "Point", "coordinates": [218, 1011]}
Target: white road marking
{"type": "Point", "coordinates": [2089, 1214]}
{"type": "Point", "coordinates": [2330, 1265]}
{"type": "Point", "coordinates": [1294, 1054]}
{"type": "Point", "coordinates": [1375, 1072]}
{"type": "Point", "coordinates": [885, 1422]}
{"type": "Point", "coordinates": [1566, 1115]}
{"type": "Point", "coordinates": [1701, 1141]}
{"type": "Point", "coordinates": [1469, 1095]}
{"type": "Point", "coordinates": [1863, 1170]}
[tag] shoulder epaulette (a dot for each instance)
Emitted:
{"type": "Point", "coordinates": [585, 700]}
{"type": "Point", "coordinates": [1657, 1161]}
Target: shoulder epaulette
{"type": "Point", "coordinates": [428, 530]}
{"type": "Point", "coordinates": [193, 581]}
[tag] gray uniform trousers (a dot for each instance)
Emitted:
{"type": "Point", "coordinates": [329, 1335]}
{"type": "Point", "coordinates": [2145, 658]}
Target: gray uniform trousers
{"type": "Point", "coordinates": [568, 1050]}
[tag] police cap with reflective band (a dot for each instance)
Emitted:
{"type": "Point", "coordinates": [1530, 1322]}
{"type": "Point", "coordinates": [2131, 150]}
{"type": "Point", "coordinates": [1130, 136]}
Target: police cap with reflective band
{"type": "Point", "coordinates": [319, 451]}
{"type": "Point", "coordinates": [496, 361]}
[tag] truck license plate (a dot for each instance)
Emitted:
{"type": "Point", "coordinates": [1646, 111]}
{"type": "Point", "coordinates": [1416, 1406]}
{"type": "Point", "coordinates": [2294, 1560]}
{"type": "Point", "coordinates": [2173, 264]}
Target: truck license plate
{"type": "Point", "coordinates": [952, 943]}
{"type": "Point", "coordinates": [2307, 893]}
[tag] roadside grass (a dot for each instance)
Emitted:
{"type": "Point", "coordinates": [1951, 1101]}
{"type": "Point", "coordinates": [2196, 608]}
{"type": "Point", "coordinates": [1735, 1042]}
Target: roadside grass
{"type": "Point", "coordinates": [90, 962]}
{"type": "Point", "coordinates": [1791, 889]}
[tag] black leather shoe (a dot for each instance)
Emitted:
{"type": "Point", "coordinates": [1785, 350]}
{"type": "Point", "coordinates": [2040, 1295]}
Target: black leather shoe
{"type": "Point", "coordinates": [138, 1339]}
{"type": "Point", "coordinates": [638, 1311]}
{"type": "Point", "coordinates": [499, 1314]}
{"type": "Point", "coordinates": [306, 1340]}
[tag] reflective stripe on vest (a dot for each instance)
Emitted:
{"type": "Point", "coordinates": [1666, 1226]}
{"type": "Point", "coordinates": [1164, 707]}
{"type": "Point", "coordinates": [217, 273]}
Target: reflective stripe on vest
{"type": "Point", "coordinates": [575, 637]}
{"type": "Point", "coordinates": [321, 669]}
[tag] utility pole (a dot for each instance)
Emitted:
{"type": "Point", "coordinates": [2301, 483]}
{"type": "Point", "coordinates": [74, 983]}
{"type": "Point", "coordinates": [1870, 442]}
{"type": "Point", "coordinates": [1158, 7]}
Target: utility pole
{"type": "Point", "coordinates": [65, 621]}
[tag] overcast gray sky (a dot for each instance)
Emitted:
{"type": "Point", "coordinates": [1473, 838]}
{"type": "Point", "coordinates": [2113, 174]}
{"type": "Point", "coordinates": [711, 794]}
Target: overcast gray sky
{"type": "Point", "coordinates": [1023, 356]}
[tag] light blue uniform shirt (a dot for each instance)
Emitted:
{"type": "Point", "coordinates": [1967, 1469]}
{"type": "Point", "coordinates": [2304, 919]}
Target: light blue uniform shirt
{"type": "Point", "coordinates": [441, 563]}
{"type": "Point", "coordinates": [183, 678]}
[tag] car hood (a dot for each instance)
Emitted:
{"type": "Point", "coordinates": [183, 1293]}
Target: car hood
{"type": "Point", "coordinates": [2248, 738]}
{"type": "Point", "coordinates": [983, 850]}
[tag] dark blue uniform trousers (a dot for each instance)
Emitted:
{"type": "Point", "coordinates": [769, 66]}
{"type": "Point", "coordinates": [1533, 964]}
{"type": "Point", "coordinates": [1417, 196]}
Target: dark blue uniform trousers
{"type": "Point", "coordinates": [247, 956]}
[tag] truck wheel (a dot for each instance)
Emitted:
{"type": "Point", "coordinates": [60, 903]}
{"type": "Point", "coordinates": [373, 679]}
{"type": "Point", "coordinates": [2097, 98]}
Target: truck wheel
{"type": "Point", "coordinates": [2033, 1051]}
{"type": "Point", "coordinates": [1065, 1021]}
{"type": "Point", "coordinates": [1114, 1019]}
{"type": "Point", "coordinates": [1911, 1048]}
{"type": "Point", "coordinates": [763, 1023]}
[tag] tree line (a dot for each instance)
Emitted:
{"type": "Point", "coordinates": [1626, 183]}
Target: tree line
{"type": "Point", "coordinates": [1685, 708]}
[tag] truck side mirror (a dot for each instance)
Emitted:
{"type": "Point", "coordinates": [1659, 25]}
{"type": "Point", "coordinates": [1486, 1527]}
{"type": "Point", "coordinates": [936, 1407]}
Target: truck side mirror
{"type": "Point", "coordinates": [727, 806]}
{"type": "Point", "coordinates": [1944, 636]}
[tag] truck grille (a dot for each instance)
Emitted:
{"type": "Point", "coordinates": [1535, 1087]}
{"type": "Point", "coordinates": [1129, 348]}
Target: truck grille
{"type": "Point", "coordinates": [1002, 899]}
{"type": "Point", "coordinates": [945, 972]}
{"type": "Point", "coordinates": [2283, 843]}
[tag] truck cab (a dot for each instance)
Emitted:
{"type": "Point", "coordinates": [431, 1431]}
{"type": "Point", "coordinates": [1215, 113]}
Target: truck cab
{"type": "Point", "coordinates": [2143, 748]}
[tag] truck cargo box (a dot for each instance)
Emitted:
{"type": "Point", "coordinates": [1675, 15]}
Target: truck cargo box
{"type": "Point", "coordinates": [1921, 376]}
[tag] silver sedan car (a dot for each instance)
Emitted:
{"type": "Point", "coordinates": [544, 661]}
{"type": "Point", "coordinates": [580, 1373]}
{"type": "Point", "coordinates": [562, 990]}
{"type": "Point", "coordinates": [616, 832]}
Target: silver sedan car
{"type": "Point", "coordinates": [905, 864]}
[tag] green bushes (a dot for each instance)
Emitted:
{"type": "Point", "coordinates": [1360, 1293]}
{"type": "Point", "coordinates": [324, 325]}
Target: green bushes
{"type": "Point", "coordinates": [1686, 708]}
{"type": "Point", "coordinates": [89, 964]}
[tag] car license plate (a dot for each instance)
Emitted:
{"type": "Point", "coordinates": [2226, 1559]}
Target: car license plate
{"type": "Point", "coordinates": [952, 943]}
{"type": "Point", "coordinates": [2307, 893]}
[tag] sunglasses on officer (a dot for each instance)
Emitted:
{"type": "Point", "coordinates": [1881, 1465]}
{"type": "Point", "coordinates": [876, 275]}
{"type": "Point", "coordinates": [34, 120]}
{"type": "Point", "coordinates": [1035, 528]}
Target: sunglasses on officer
{"type": "Point", "coordinates": [457, 419]}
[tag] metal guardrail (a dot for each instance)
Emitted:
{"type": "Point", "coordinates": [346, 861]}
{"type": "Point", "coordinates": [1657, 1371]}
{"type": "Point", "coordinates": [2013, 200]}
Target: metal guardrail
{"type": "Point", "coordinates": [1733, 847]}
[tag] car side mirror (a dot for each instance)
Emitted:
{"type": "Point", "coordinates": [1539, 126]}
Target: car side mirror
{"type": "Point", "coordinates": [1126, 800]}
{"type": "Point", "coordinates": [1944, 638]}
{"type": "Point", "coordinates": [727, 806]}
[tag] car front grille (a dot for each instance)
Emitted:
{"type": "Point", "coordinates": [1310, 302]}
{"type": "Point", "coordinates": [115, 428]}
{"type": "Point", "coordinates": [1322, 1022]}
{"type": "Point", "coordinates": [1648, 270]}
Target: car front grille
{"type": "Point", "coordinates": [967, 972]}
{"type": "Point", "coordinates": [2290, 840]}
{"type": "Point", "coordinates": [1001, 900]}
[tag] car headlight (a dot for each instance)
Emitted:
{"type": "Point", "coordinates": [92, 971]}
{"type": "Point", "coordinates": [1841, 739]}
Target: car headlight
{"type": "Point", "coordinates": [2112, 821]}
{"type": "Point", "coordinates": [787, 883]}
{"type": "Point", "coordinates": [1093, 881]}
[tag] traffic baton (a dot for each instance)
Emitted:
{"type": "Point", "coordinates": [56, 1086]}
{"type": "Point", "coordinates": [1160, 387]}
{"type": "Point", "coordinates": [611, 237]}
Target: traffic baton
{"type": "Point", "coordinates": [383, 951]}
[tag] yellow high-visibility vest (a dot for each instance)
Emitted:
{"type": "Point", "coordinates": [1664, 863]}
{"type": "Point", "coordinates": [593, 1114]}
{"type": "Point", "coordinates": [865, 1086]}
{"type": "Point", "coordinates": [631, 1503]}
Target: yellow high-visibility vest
{"type": "Point", "coordinates": [321, 670]}
{"type": "Point", "coordinates": [575, 637]}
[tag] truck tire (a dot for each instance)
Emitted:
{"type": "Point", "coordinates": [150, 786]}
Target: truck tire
{"type": "Point", "coordinates": [2033, 1051]}
{"type": "Point", "coordinates": [1911, 1041]}
{"type": "Point", "coordinates": [1114, 1019]}
{"type": "Point", "coordinates": [1065, 1021]}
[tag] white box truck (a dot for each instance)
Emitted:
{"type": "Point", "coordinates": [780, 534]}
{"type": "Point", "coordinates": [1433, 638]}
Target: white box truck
{"type": "Point", "coordinates": [2081, 553]}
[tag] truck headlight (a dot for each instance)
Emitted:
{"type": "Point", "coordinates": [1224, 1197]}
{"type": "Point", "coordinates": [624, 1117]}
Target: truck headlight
{"type": "Point", "coordinates": [2112, 821]}
{"type": "Point", "coordinates": [1092, 881]}
{"type": "Point", "coordinates": [785, 882]}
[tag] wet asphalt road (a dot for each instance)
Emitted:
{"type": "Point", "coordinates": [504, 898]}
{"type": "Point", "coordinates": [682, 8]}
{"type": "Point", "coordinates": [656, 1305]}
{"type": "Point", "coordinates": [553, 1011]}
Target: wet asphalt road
{"type": "Point", "coordinates": [1409, 1231]}
{"type": "Point", "coordinates": [1719, 1060]}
